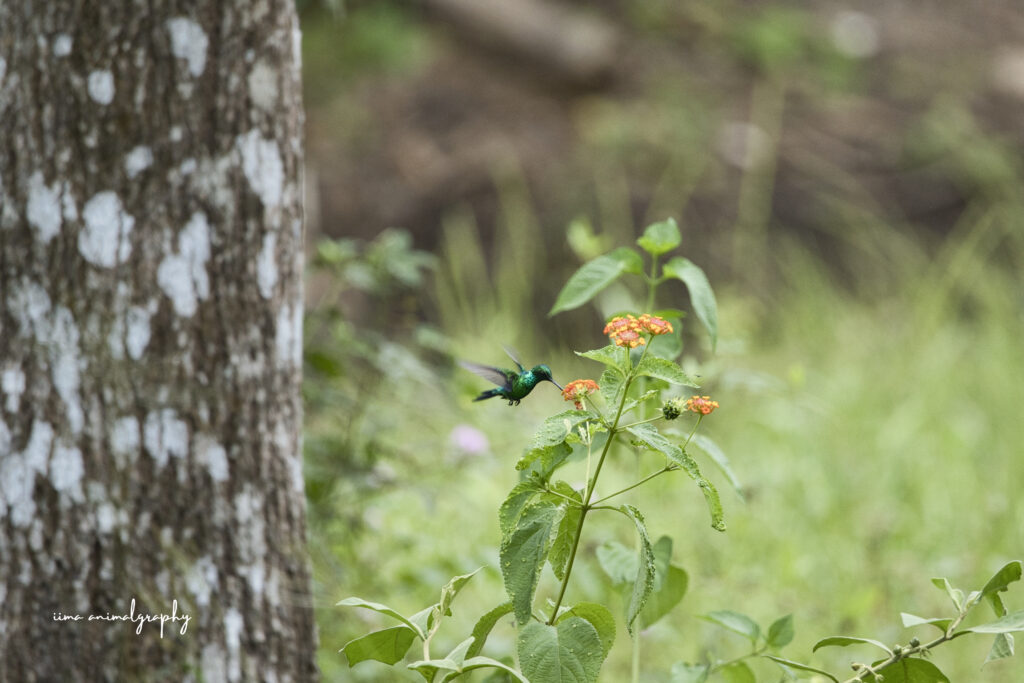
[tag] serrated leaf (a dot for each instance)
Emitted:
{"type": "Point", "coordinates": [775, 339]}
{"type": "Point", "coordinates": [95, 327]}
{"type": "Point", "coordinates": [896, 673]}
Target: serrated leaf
{"type": "Point", "coordinates": [1011, 623]}
{"type": "Point", "coordinates": [611, 385]}
{"type": "Point", "coordinates": [618, 562]}
{"type": "Point", "coordinates": [545, 459]}
{"type": "Point", "coordinates": [561, 546]}
{"type": "Point", "coordinates": [484, 625]}
{"type": "Point", "coordinates": [802, 667]}
{"type": "Point", "coordinates": [718, 457]}
{"type": "Point", "coordinates": [556, 428]}
{"type": "Point", "coordinates": [609, 355]}
{"type": "Point", "coordinates": [910, 620]}
{"type": "Point", "coordinates": [517, 500]}
{"type": "Point", "coordinates": [597, 616]}
{"type": "Point", "coordinates": [735, 622]}
{"type": "Point", "coordinates": [674, 582]}
{"type": "Point", "coordinates": [683, 672]}
{"type": "Point", "coordinates": [737, 672]}
{"type": "Point", "coordinates": [1002, 647]}
{"type": "Point", "coordinates": [594, 276]}
{"type": "Point", "coordinates": [780, 633]}
{"type": "Point", "coordinates": [955, 594]}
{"type": "Point", "coordinates": [844, 641]}
{"type": "Point", "coordinates": [524, 553]}
{"type": "Point", "coordinates": [383, 609]}
{"type": "Point", "coordinates": [911, 670]}
{"type": "Point", "coordinates": [651, 437]}
{"type": "Point", "coordinates": [568, 652]}
{"type": "Point", "coordinates": [644, 582]}
{"type": "Point", "coordinates": [660, 368]}
{"type": "Point", "coordinates": [388, 646]}
{"type": "Point", "coordinates": [660, 238]}
{"type": "Point", "coordinates": [702, 297]}
{"type": "Point", "coordinates": [452, 588]}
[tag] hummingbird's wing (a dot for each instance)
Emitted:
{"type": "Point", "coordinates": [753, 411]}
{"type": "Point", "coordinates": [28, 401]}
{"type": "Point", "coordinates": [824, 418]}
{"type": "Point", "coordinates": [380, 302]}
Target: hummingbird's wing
{"type": "Point", "coordinates": [513, 355]}
{"type": "Point", "coordinates": [503, 378]}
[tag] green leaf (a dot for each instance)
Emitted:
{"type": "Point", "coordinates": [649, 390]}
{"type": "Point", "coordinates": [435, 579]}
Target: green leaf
{"type": "Point", "coordinates": [735, 622]}
{"type": "Point", "coordinates": [634, 402]}
{"type": "Point", "coordinates": [999, 582]}
{"type": "Point", "coordinates": [618, 562]}
{"type": "Point", "coordinates": [644, 582]}
{"type": "Point", "coordinates": [690, 673]}
{"type": "Point", "coordinates": [545, 459]}
{"type": "Point", "coordinates": [484, 625]}
{"type": "Point", "coordinates": [568, 652]}
{"type": "Point", "coordinates": [561, 546]}
{"type": "Point", "coordinates": [701, 295]}
{"type": "Point", "coordinates": [517, 500]}
{"type": "Point", "coordinates": [674, 583]}
{"type": "Point", "coordinates": [557, 427]}
{"type": "Point", "coordinates": [802, 667]}
{"type": "Point", "coordinates": [611, 383]}
{"type": "Point", "coordinates": [383, 609]}
{"type": "Point", "coordinates": [1011, 623]}
{"type": "Point", "coordinates": [955, 594]}
{"type": "Point", "coordinates": [843, 641]}
{"type": "Point", "coordinates": [911, 670]}
{"type": "Point", "coordinates": [599, 617]}
{"type": "Point", "coordinates": [594, 276]}
{"type": "Point", "coordinates": [660, 238]}
{"type": "Point", "coordinates": [1002, 647]}
{"type": "Point", "coordinates": [488, 663]}
{"type": "Point", "coordinates": [609, 355]}
{"type": "Point", "coordinates": [523, 555]}
{"type": "Point", "coordinates": [718, 457]}
{"type": "Point", "coordinates": [737, 672]}
{"type": "Point", "coordinates": [660, 368]}
{"type": "Point", "coordinates": [910, 620]}
{"type": "Point", "coordinates": [388, 646]}
{"type": "Point", "coordinates": [780, 633]}
{"type": "Point", "coordinates": [651, 437]}
{"type": "Point", "coordinates": [451, 589]}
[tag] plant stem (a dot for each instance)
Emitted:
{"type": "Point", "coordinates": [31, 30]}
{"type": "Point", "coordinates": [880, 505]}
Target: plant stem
{"type": "Point", "coordinates": [652, 284]}
{"type": "Point", "coordinates": [591, 485]}
{"type": "Point", "coordinates": [650, 419]}
{"type": "Point", "coordinates": [905, 653]}
{"type": "Point", "coordinates": [663, 470]}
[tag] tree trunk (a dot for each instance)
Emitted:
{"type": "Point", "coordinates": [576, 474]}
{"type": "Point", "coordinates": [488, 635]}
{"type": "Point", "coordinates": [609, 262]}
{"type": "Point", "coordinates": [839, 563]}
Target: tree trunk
{"type": "Point", "coordinates": [150, 343]}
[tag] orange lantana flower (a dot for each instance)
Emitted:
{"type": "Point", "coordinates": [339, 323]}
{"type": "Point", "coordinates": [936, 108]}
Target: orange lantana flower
{"type": "Point", "coordinates": [701, 404]}
{"type": "Point", "coordinates": [577, 389]}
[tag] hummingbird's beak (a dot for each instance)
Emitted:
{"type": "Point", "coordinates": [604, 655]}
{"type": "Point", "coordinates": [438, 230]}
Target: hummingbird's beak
{"type": "Point", "coordinates": [557, 385]}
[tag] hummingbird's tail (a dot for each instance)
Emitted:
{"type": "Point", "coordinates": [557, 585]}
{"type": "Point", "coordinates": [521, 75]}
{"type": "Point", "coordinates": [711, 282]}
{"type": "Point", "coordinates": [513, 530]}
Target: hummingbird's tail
{"type": "Point", "coordinates": [488, 394]}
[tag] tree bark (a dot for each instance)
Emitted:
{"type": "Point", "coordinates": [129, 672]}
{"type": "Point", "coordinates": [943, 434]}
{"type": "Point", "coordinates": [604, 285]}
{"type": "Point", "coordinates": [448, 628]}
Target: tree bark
{"type": "Point", "coordinates": [150, 343]}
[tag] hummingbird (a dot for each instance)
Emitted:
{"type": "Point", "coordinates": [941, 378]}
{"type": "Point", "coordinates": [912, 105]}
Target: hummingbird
{"type": "Point", "coordinates": [512, 386]}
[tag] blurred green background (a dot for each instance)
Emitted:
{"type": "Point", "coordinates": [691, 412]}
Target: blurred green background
{"type": "Point", "coordinates": [849, 176]}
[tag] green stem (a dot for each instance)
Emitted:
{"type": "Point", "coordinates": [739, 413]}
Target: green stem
{"type": "Point", "coordinates": [652, 284]}
{"type": "Point", "coordinates": [666, 468]}
{"type": "Point", "coordinates": [591, 485]}
{"type": "Point", "coordinates": [650, 419]}
{"type": "Point", "coordinates": [907, 652]}
{"type": "Point", "coordinates": [548, 489]}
